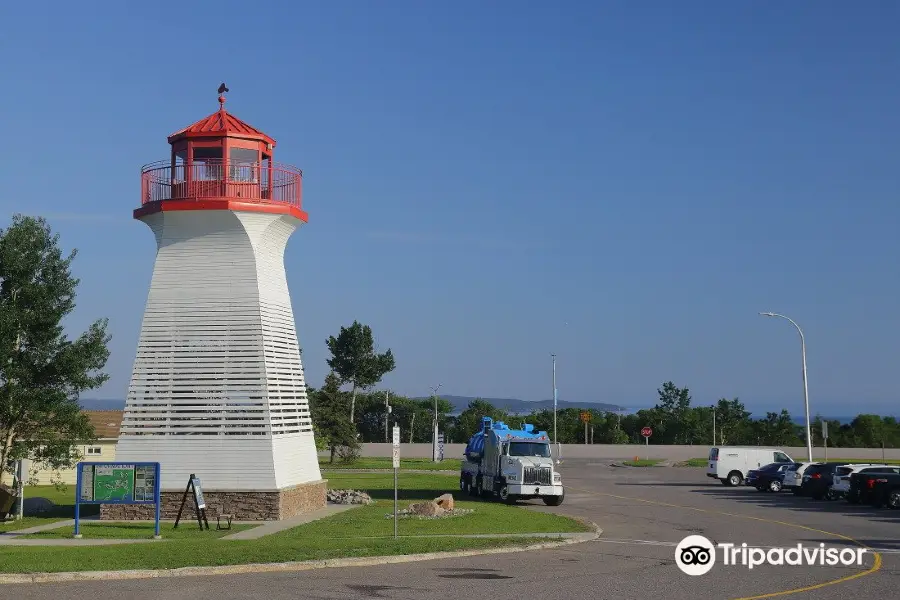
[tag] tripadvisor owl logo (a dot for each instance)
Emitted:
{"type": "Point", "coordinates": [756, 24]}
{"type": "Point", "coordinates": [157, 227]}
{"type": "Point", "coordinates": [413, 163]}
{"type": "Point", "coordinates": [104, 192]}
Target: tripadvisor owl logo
{"type": "Point", "coordinates": [696, 555]}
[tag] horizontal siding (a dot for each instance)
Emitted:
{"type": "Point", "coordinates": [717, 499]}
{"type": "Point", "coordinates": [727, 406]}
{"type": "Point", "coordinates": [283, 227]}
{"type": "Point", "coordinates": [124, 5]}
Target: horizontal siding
{"type": "Point", "coordinates": [46, 476]}
{"type": "Point", "coordinates": [296, 459]}
{"type": "Point", "coordinates": [221, 463]}
{"type": "Point", "coordinates": [218, 361]}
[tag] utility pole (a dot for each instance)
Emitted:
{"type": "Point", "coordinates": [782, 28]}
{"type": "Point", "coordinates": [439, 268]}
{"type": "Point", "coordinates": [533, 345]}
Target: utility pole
{"type": "Point", "coordinates": [387, 414]}
{"type": "Point", "coordinates": [714, 424]}
{"type": "Point", "coordinates": [434, 437]}
{"type": "Point", "coordinates": [555, 439]}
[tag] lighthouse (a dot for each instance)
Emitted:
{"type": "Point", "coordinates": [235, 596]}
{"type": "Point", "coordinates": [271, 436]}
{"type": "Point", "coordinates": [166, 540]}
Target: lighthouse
{"type": "Point", "coordinates": [217, 389]}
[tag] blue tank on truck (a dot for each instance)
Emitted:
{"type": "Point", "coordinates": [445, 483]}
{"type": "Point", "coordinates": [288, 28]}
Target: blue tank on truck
{"type": "Point", "coordinates": [510, 464]}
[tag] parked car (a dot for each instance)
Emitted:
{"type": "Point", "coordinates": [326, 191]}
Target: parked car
{"type": "Point", "coordinates": [886, 490]}
{"type": "Point", "coordinates": [841, 484]}
{"type": "Point", "coordinates": [768, 477]}
{"type": "Point", "coordinates": [793, 476]}
{"type": "Point", "coordinates": [732, 464]}
{"type": "Point", "coordinates": [817, 480]}
{"type": "Point", "coordinates": [863, 486]}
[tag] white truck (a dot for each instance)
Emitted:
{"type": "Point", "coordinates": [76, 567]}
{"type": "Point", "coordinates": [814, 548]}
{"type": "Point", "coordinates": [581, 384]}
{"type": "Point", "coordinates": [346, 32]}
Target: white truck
{"type": "Point", "coordinates": [510, 464]}
{"type": "Point", "coordinates": [730, 464]}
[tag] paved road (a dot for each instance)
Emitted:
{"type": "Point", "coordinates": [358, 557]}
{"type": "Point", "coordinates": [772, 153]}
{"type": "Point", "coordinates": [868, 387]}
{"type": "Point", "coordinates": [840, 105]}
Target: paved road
{"type": "Point", "coordinates": [644, 512]}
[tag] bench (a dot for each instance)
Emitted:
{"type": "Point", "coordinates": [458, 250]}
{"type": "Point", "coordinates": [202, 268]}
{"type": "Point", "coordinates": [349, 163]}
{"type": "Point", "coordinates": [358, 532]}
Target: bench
{"type": "Point", "coordinates": [227, 518]}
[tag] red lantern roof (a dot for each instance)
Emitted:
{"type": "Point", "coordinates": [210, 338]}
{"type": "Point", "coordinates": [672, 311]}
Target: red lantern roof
{"type": "Point", "coordinates": [221, 124]}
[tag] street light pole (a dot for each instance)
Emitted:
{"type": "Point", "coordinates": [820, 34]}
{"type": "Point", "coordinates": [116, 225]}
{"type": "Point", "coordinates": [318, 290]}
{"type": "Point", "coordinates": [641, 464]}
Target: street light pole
{"type": "Point", "coordinates": [805, 387]}
{"type": "Point", "coordinates": [434, 434]}
{"type": "Point", "coordinates": [555, 439]}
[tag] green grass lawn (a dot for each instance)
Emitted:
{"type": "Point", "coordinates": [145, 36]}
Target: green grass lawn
{"type": "Point", "coordinates": [876, 461]}
{"type": "Point", "coordinates": [183, 553]}
{"type": "Point", "coordinates": [419, 464]}
{"type": "Point", "coordinates": [63, 500]}
{"type": "Point", "coordinates": [693, 462]}
{"type": "Point", "coordinates": [24, 523]}
{"type": "Point", "coordinates": [643, 462]}
{"type": "Point", "coordinates": [363, 531]}
{"type": "Point", "coordinates": [137, 531]}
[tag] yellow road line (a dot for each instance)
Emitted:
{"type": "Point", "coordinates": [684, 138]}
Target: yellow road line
{"type": "Point", "coordinates": [876, 565]}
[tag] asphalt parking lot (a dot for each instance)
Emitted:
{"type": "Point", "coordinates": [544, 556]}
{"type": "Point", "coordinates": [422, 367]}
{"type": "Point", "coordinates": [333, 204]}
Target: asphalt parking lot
{"type": "Point", "coordinates": [644, 513]}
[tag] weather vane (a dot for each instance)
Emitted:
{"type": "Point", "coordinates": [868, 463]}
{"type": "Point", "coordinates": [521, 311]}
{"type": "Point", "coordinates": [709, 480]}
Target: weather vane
{"type": "Point", "coordinates": [222, 90]}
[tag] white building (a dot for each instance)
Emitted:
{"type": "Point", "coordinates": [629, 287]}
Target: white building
{"type": "Point", "coordinates": [217, 388]}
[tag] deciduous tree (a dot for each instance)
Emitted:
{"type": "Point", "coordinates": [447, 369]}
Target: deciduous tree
{"type": "Point", "coordinates": [42, 371]}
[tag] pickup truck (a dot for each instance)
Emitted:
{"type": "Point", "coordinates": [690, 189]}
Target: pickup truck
{"type": "Point", "coordinates": [877, 489]}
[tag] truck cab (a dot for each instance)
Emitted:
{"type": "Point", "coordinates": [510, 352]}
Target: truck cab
{"type": "Point", "coordinates": [511, 464]}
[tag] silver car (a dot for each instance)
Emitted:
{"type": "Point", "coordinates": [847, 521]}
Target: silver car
{"type": "Point", "coordinates": [793, 476]}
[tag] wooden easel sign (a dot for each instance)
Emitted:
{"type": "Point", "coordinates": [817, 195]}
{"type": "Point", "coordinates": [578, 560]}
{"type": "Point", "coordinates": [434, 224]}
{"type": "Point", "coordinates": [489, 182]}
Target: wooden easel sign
{"type": "Point", "coordinates": [196, 491]}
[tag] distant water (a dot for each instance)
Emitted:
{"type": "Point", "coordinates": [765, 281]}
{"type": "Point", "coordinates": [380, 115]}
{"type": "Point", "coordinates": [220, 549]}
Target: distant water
{"type": "Point", "coordinates": [120, 404]}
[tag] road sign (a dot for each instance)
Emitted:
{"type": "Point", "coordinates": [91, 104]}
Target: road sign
{"type": "Point", "coordinates": [646, 432]}
{"type": "Point", "coordinates": [825, 430]}
{"type": "Point", "coordinates": [395, 459]}
{"type": "Point", "coordinates": [585, 416]}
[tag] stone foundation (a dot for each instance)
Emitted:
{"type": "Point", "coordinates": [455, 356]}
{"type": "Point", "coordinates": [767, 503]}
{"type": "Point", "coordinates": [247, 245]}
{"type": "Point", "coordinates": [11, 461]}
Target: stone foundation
{"type": "Point", "coordinates": [274, 505]}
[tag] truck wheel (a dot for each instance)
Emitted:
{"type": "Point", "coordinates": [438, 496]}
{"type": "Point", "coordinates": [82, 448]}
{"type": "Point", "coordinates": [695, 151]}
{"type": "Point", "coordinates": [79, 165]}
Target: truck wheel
{"type": "Point", "coordinates": [735, 479]}
{"type": "Point", "coordinates": [554, 500]}
{"type": "Point", "coordinates": [894, 500]}
{"type": "Point", "coordinates": [505, 496]}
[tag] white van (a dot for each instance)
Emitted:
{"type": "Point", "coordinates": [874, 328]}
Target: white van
{"type": "Point", "coordinates": [730, 464]}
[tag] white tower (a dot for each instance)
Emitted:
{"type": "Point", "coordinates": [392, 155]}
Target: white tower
{"type": "Point", "coordinates": [217, 388]}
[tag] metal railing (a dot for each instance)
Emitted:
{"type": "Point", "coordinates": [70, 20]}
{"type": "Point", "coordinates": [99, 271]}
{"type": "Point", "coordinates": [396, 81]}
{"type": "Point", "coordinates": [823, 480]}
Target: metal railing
{"type": "Point", "coordinates": [263, 183]}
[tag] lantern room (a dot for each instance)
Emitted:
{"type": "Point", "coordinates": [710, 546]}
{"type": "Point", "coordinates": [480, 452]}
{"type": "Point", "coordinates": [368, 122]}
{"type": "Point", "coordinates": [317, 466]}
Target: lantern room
{"type": "Point", "coordinates": [221, 162]}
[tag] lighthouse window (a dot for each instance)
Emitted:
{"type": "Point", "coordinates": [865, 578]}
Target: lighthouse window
{"type": "Point", "coordinates": [242, 165]}
{"type": "Point", "coordinates": [207, 163]}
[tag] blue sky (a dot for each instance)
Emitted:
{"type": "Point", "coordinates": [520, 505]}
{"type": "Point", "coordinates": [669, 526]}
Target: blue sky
{"type": "Point", "coordinates": [624, 183]}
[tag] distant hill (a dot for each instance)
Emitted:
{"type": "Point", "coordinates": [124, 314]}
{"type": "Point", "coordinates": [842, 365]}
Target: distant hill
{"type": "Point", "coordinates": [516, 406]}
{"type": "Point", "coordinates": [89, 404]}
{"type": "Point", "coordinates": [510, 405]}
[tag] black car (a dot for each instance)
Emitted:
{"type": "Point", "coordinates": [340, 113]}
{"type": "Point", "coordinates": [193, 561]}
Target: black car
{"type": "Point", "coordinates": [875, 487]}
{"type": "Point", "coordinates": [768, 477]}
{"type": "Point", "coordinates": [817, 480]}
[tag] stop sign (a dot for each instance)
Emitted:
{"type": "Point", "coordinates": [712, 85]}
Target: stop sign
{"type": "Point", "coordinates": [646, 432]}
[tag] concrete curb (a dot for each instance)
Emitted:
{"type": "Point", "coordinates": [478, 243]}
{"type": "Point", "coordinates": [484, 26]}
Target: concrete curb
{"type": "Point", "coordinates": [287, 567]}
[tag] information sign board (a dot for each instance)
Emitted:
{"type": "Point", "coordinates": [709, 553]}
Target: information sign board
{"type": "Point", "coordinates": [116, 483]}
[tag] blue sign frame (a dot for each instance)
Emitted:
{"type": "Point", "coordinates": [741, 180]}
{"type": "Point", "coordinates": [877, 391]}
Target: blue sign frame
{"type": "Point", "coordinates": [84, 492]}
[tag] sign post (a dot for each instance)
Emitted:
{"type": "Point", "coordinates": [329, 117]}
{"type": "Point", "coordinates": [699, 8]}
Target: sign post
{"type": "Point", "coordinates": [21, 476]}
{"type": "Point", "coordinates": [194, 488]}
{"type": "Point", "coordinates": [117, 483]}
{"type": "Point", "coordinates": [825, 438]}
{"type": "Point", "coordinates": [647, 432]}
{"type": "Point", "coordinates": [396, 461]}
{"type": "Point", "coordinates": [585, 418]}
